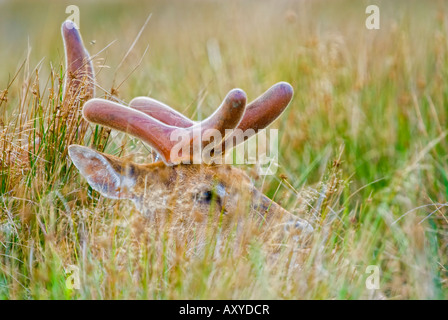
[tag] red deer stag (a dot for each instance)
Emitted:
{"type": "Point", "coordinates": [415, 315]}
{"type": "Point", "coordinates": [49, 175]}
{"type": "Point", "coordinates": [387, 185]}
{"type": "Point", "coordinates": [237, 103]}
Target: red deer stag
{"type": "Point", "coordinates": [171, 189]}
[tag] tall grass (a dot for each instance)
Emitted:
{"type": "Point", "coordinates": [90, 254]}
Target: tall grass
{"type": "Point", "coordinates": [363, 149]}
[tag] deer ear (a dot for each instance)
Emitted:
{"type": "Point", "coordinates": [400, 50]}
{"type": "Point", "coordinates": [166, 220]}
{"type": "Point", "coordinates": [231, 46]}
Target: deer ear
{"type": "Point", "coordinates": [106, 174]}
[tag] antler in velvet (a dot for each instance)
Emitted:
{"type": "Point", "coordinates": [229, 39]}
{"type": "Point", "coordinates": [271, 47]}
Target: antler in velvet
{"type": "Point", "coordinates": [80, 76]}
{"type": "Point", "coordinates": [259, 114]}
{"type": "Point", "coordinates": [158, 134]}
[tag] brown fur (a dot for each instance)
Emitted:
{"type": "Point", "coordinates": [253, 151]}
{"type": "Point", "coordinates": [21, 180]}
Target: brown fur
{"type": "Point", "coordinates": [184, 195]}
{"type": "Point", "coordinates": [187, 196]}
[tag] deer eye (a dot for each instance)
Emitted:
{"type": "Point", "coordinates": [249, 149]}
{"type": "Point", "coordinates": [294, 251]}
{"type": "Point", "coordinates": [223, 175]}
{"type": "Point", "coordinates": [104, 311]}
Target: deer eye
{"type": "Point", "coordinates": [204, 197]}
{"type": "Point", "coordinates": [207, 196]}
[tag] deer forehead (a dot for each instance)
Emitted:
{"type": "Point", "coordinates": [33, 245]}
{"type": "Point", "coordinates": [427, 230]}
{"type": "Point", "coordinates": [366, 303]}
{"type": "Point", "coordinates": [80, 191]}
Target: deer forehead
{"type": "Point", "coordinates": [195, 177]}
{"type": "Point", "coordinates": [160, 187]}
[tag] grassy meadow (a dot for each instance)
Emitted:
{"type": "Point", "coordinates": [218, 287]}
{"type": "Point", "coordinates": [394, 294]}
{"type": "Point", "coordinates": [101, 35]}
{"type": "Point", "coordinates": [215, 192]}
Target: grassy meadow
{"type": "Point", "coordinates": [363, 148]}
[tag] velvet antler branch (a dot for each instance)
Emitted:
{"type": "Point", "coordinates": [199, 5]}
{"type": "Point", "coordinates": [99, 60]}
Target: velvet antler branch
{"type": "Point", "coordinates": [259, 114]}
{"type": "Point", "coordinates": [80, 78]}
{"type": "Point", "coordinates": [158, 134]}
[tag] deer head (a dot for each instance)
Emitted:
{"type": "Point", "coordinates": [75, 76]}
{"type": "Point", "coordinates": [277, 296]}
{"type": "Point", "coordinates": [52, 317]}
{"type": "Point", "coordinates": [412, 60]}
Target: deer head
{"type": "Point", "coordinates": [171, 189]}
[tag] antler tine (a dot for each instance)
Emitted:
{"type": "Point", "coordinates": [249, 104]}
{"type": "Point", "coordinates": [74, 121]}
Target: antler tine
{"type": "Point", "coordinates": [229, 113]}
{"type": "Point", "coordinates": [79, 69]}
{"type": "Point", "coordinates": [264, 110]}
{"type": "Point", "coordinates": [158, 134]}
{"type": "Point", "coordinates": [169, 116]}
{"type": "Point", "coordinates": [161, 112]}
{"type": "Point", "coordinates": [133, 122]}
{"type": "Point", "coordinates": [259, 114]}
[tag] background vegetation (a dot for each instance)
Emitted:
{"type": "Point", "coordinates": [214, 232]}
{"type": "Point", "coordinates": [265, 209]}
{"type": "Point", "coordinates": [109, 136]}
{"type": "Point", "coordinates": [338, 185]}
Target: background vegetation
{"type": "Point", "coordinates": [363, 147]}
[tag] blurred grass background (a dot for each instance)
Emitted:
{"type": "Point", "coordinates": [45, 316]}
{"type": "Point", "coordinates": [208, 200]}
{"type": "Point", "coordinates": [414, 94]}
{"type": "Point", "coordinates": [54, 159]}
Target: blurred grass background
{"type": "Point", "coordinates": [363, 142]}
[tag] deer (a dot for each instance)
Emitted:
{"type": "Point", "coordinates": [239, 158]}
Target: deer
{"type": "Point", "coordinates": [172, 188]}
